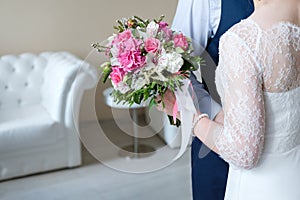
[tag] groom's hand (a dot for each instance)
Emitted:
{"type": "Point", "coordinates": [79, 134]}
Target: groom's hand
{"type": "Point", "coordinates": [203, 102]}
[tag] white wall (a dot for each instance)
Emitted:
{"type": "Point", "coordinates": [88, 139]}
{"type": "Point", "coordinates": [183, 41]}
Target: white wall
{"type": "Point", "coordinates": [71, 25]}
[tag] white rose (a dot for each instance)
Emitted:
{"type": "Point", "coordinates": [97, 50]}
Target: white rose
{"type": "Point", "coordinates": [175, 62]}
{"type": "Point", "coordinates": [172, 62]}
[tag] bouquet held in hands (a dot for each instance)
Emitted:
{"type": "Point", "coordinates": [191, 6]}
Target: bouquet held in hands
{"type": "Point", "coordinates": [145, 59]}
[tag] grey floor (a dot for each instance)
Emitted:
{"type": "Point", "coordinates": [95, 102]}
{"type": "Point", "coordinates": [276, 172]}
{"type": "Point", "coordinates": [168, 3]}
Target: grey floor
{"type": "Point", "coordinates": [96, 180]}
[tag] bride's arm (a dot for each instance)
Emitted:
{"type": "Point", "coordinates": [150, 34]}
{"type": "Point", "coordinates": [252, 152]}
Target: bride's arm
{"type": "Point", "coordinates": [237, 132]}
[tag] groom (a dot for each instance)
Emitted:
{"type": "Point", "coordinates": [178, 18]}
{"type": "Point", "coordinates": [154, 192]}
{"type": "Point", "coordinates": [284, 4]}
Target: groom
{"type": "Point", "coordinates": [205, 21]}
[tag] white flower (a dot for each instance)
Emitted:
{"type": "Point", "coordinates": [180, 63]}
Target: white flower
{"type": "Point", "coordinates": [149, 62]}
{"type": "Point", "coordinates": [175, 62]}
{"type": "Point", "coordinates": [162, 62]}
{"type": "Point", "coordinates": [114, 59]}
{"type": "Point", "coordinates": [172, 62]}
{"type": "Point", "coordinates": [138, 82]}
{"type": "Point", "coordinates": [122, 87]}
{"type": "Point", "coordinates": [152, 29]}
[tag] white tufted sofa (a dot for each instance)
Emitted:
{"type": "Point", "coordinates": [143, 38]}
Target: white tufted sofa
{"type": "Point", "coordinates": [40, 97]}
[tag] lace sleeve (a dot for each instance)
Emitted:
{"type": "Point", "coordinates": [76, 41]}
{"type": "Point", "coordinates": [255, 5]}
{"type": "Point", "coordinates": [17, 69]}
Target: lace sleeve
{"type": "Point", "coordinates": [238, 138]}
{"type": "Point", "coordinates": [241, 139]}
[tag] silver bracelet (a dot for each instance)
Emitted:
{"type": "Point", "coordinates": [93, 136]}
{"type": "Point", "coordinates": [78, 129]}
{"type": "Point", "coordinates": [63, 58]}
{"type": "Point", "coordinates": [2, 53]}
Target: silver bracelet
{"type": "Point", "coordinates": [199, 117]}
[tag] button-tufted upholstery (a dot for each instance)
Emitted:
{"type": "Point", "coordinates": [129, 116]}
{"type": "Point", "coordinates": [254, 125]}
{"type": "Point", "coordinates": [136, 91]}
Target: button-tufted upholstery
{"type": "Point", "coordinates": [40, 97]}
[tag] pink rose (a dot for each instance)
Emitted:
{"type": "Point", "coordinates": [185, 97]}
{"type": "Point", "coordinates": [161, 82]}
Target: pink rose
{"type": "Point", "coordinates": [181, 41]}
{"type": "Point", "coordinates": [117, 75]}
{"type": "Point", "coordinates": [152, 45]}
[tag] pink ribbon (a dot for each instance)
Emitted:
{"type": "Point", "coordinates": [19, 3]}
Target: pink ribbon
{"type": "Point", "coordinates": [175, 110]}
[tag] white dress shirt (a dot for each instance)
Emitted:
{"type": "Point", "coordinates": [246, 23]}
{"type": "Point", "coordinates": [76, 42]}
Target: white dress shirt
{"type": "Point", "coordinates": [198, 20]}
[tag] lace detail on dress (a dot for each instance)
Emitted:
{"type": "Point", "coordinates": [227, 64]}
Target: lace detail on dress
{"type": "Point", "coordinates": [253, 61]}
{"type": "Point", "coordinates": [281, 63]}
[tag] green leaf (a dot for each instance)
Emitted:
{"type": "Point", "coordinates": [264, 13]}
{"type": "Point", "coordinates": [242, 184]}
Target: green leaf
{"type": "Point", "coordinates": [179, 50]}
{"type": "Point", "coordinates": [152, 103]}
{"type": "Point", "coordinates": [140, 19]}
{"type": "Point", "coordinates": [186, 65]}
{"type": "Point", "coordinates": [105, 74]}
{"type": "Point", "coordinates": [138, 97]}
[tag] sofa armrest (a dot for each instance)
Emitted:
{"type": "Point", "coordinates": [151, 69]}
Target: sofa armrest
{"type": "Point", "coordinates": [86, 78]}
{"type": "Point", "coordinates": [62, 71]}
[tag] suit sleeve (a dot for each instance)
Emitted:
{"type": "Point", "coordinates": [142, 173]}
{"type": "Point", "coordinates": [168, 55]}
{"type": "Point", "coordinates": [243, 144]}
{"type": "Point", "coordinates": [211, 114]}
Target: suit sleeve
{"type": "Point", "coordinates": [192, 18]}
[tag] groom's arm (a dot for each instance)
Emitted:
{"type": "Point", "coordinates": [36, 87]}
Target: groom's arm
{"type": "Point", "coordinates": [199, 20]}
{"type": "Point", "coordinates": [204, 102]}
{"type": "Point", "coordinates": [192, 19]}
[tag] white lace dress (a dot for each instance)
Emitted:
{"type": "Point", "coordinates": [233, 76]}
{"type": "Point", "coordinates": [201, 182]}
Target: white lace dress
{"type": "Point", "coordinates": [258, 79]}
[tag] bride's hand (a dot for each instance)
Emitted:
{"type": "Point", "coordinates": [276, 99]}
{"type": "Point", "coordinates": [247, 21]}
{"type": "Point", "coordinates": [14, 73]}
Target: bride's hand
{"type": "Point", "coordinates": [169, 100]}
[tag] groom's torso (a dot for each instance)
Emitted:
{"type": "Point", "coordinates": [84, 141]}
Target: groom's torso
{"type": "Point", "coordinates": [232, 12]}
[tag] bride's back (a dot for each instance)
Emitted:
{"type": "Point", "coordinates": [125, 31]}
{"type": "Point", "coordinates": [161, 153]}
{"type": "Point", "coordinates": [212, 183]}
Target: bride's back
{"type": "Point", "coordinates": [278, 44]}
{"type": "Point", "coordinates": [276, 50]}
{"type": "Point", "coordinates": [278, 53]}
{"type": "Point", "coordinates": [266, 63]}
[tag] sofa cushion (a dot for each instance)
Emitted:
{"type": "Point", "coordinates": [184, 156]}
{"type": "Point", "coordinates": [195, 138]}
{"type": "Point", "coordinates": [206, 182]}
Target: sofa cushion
{"type": "Point", "coordinates": [21, 79]}
{"type": "Point", "coordinates": [27, 127]}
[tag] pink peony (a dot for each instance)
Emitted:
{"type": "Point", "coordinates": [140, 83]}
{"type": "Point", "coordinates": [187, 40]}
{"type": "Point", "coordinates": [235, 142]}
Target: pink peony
{"type": "Point", "coordinates": [131, 60]}
{"type": "Point", "coordinates": [123, 36]}
{"type": "Point", "coordinates": [117, 75]}
{"type": "Point", "coordinates": [128, 51]}
{"type": "Point", "coordinates": [131, 44]}
{"type": "Point", "coordinates": [120, 39]}
{"type": "Point", "coordinates": [152, 45]}
{"type": "Point", "coordinates": [181, 41]}
{"type": "Point", "coordinates": [124, 40]}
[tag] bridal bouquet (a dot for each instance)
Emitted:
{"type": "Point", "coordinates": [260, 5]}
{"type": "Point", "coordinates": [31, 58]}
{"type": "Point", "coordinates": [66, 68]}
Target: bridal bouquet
{"type": "Point", "coordinates": [145, 58]}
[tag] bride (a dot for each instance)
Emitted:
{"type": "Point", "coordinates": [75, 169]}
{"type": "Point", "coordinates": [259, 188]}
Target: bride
{"type": "Point", "coordinates": [258, 78]}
